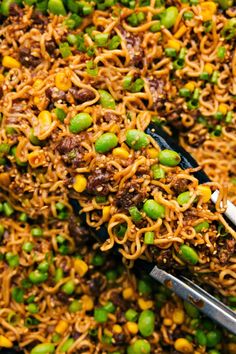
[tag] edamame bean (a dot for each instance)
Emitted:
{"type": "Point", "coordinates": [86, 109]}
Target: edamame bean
{"type": "Point", "coordinates": [146, 323]}
{"type": "Point", "coordinates": [139, 346]}
{"type": "Point", "coordinates": [213, 338]}
{"type": "Point", "coordinates": [169, 16]}
{"type": "Point", "coordinates": [225, 4]}
{"type": "Point", "coordinates": [131, 315]}
{"type": "Point", "coordinates": [188, 254]}
{"type": "Point", "coordinates": [32, 308]}
{"type": "Point", "coordinates": [36, 277]}
{"type": "Point", "coordinates": [5, 6]}
{"type": "Point", "coordinates": [44, 348]}
{"type": "Point", "coordinates": [106, 99]}
{"type": "Point", "coordinates": [136, 139]}
{"type": "Point", "coordinates": [169, 158]}
{"type": "Point", "coordinates": [69, 287]}
{"type": "Point", "coordinates": [157, 171]}
{"type": "Point", "coordinates": [191, 310]}
{"type": "Point", "coordinates": [43, 267]}
{"type": "Point", "coordinates": [153, 209]}
{"type": "Point", "coordinates": [66, 346]}
{"type": "Point", "coordinates": [80, 122]}
{"type": "Point", "coordinates": [75, 306]}
{"type": "Point", "coordinates": [106, 142]}
{"type": "Point", "coordinates": [200, 337]}
{"type": "Point", "coordinates": [56, 7]}
{"type": "Point", "coordinates": [183, 198]}
{"type": "Point", "coordinates": [202, 226]}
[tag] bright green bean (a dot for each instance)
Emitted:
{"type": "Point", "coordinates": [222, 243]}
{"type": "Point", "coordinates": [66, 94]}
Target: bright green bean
{"type": "Point", "coordinates": [68, 287]}
{"type": "Point", "coordinates": [80, 122]}
{"type": "Point", "coordinates": [140, 346]}
{"type": "Point", "coordinates": [136, 139]}
{"type": "Point", "coordinates": [56, 7]}
{"type": "Point", "coordinates": [44, 348]}
{"type": "Point", "coordinates": [169, 158]}
{"type": "Point", "coordinates": [146, 323]}
{"type": "Point", "coordinates": [36, 277]}
{"type": "Point", "coordinates": [169, 16]}
{"type": "Point", "coordinates": [202, 226]}
{"type": "Point", "coordinates": [75, 306]}
{"type": "Point", "coordinates": [188, 254]}
{"type": "Point", "coordinates": [183, 198]}
{"type": "Point", "coordinates": [213, 338]}
{"type": "Point", "coordinates": [106, 142]}
{"type": "Point", "coordinates": [149, 238]}
{"type": "Point", "coordinates": [100, 315]}
{"type": "Point", "coordinates": [200, 337]}
{"type": "Point", "coordinates": [106, 99]}
{"type": "Point", "coordinates": [153, 209]}
{"type": "Point", "coordinates": [131, 315]}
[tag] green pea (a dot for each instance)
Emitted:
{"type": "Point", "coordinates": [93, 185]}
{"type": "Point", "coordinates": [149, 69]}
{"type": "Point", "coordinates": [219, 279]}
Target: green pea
{"type": "Point", "coordinates": [191, 310]}
{"type": "Point", "coordinates": [188, 254]}
{"type": "Point", "coordinates": [100, 315]}
{"type": "Point", "coordinates": [12, 259]}
{"type": "Point", "coordinates": [221, 51]}
{"type": "Point", "coordinates": [36, 232]}
{"type": "Point", "coordinates": [80, 122]}
{"type": "Point", "coordinates": [43, 266]}
{"type": "Point", "coordinates": [169, 16]}
{"type": "Point", "coordinates": [149, 238]}
{"type": "Point", "coordinates": [106, 142]}
{"type": "Point", "coordinates": [131, 315]}
{"type": "Point", "coordinates": [140, 346]}
{"type": "Point", "coordinates": [109, 307]}
{"type": "Point", "coordinates": [68, 287]}
{"type": "Point", "coordinates": [200, 337]}
{"type": "Point", "coordinates": [98, 259]}
{"type": "Point", "coordinates": [225, 4]}
{"type": "Point", "coordinates": [135, 214]}
{"type": "Point", "coordinates": [144, 286]}
{"type": "Point", "coordinates": [146, 323]}
{"type": "Point", "coordinates": [153, 209]}
{"type": "Point", "coordinates": [56, 7]}
{"type": "Point", "coordinates": [106, 99]}
{"type": "Point", "coordinates": [137, 85]}
{"type": "Point", "coordinates": [75, 306]}
{"type": "Point", "coordinates": [44, 348]}
{"type": "Point", "coordinates": [32, 308]}
{"type": "Point", "coordinates": [136, 139]}
{"type": "Point", "coordinates": [36, 277]}
{"type": "Point", "coordinates": [213, 338]}
{"type": "Point", "coordinates": [58, 275]}
{"type": "Point", "coordinates": [202, 226]}
{"type": "Point", "coordinates": [18, 295]}
{"type": "Point", "coordinates": [169, 158]}
{"type": "Point", "coordinates": [184, 198]}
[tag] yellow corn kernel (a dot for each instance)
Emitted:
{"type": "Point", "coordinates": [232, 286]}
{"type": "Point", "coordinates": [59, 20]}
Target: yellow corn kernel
{"type": "Point", "coordinates": [180, 31]}
{"type": "Point", "coordinates": [37, 84]}
{"type": "Point", "coordinates": [232, 348]}
{"type": "Point", "coordinates": [2, 78]}
{"type": "Point", "coordinates": [208, 9]}
{"type": "Point", "coordinates": [107, 332]}
{"type": "Point", "coordinates": [121, 153]}
{"type": "Point", "coordinates": [172, 43]}
{"type": "Point", "coordinates": [117, 329]}
{"type": "Point", "coordinates": [36, 158]}
{"type": "Point", "coordinates": [62, 81]}
{"type": "Point", "coordinates": [208, 68]}
{"type": "Point", "coordinates": [80, 267]}
{"type": "Point", "coordinates": [145, 304]}
{"type": "Point", "coordinates": [61, 327]}
{"type": "Point", "coordinates": [80, 183]}
{"type": "Point", "coordinates": [128, 293]}
{"type": "Point", "coordinates": [5, 342]}
{"type": "Point", "coordinates": [87, 303]}
{"type": "Point", "coordinates": [36, 100]}
{"type": "Point", "coordinates": [153, 153]}
{"type": "Point", "coordinates": [106, 213]}
{"type": "Point", "coordinates": [10, 63]}
{"type": "Point", "coordinates": [132, 327]}
{"type": "Point", "coordinates": [114, 129]}
{"type": "Point", "coordinates": [223, 108]}
{"type": "Point", "coordinates": [183, 345]}
{"type": "Point", "coordinates": [196, 352]}
{"type": "Point", "coordinates": [167, 322]}
{"type": "Point", "coordinates": [178, 316]}
{"type": "Point", "coordinates": [205, 193]}
{"type": "Point", "coordinates": [190, 86]}
{"type": "Point", "coordinates": [45, 119]}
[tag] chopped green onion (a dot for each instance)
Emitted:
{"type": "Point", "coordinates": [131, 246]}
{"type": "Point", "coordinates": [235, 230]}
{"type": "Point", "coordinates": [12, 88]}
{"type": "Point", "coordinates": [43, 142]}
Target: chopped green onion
{"type": "Point", "coordinates": [7, 209]}
{"type": "Point", "coordinates": [215, 76]}
{"type": "Point", "coordinates": [12, 259]}
{"type": "Point", "coordinates": [60, 114]}
{"type": "Point", "coordinates": [188, 15]}
{"type": "Point", "coordinates": [114, 43]}
{"type": "Point", "coordinates": [65, 50]}
{"type": "Point", "coordinates": [149, 238]}
{"type": "Point", "coordinates": [184, 92]}
{"type": "Point", "coordinates": [221, 52]}
{"type": "Point", "coordinates": [229, 117]}
{"type": "Point", "coordinates": [170, 52]}
{"type": "Point", "coordinates": [136, 216]}
{"type": "Point", "coordinates": [23, 217]}
{"type": "Point", "coordinates": [92, 68]}
{"type": "Point", "coordinates": [156, 27]}
{"type": "Point", "coordinates": [137, 86]}
{"type": "Point", "coordinates": [101, 39]}
{"type": "Point", "coordinates": [204, 76]}
{"type": "Point", "coordinates": [36, 232]}
{"type": "Point", "coordinates": [73, 21]}
{"type": "Point", "coordinates": [18, 295]}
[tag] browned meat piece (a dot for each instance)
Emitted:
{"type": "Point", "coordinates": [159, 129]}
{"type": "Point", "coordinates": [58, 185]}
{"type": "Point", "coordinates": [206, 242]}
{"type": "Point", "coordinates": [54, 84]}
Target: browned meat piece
{"type": "Point", "coordinates": [55, 95]}
{"type": "Point", "coordinates": [50, 46]}
{"type": "Point", "coordinates": [96, 284]}
{"type": "Point", "coordinates": [71, 150]}
{"type": "Point", "coordinates": [81, 95]}
{"type": "Point", "coordinates": [62, 297]}
{"type": "Point", "coordinates": [180, 185]}
{"type": "Point", "coordinates": [120, 339]}
{"type": "Point", "coordinates": [15, 10]}
{"type": "Point", "coordinates": [118, 300]}
{"type": "Point", "coordinates": [98, 182]}
{"type": "Point", "coordinates": [158, 93]}
{"type": "Point", "coordinates": [132, 194]}
{"type": "Point", "coordinates": [110, 117]}
{"type": "Point", "coordinates": [68, 143]}
{"type": "Point", "coordinates": [79, 233]}
{"type": "Point", "coordinates": [38, 18]}
{"type": "Point", "coordinates": [226, 251]}
{"type": "Point", "coordinates": [135, 50]}
{"type": "Point", "coordinates": [28, 60]}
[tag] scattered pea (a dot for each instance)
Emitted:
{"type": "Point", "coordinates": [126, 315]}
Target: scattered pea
{"type": "Point", "coordinates": [36, 277]}
{"type": "Point", "coordinates": [68, 287]}
{"type": "Point", "coordinates": [200, 337]}
{"type": "Point", "coordinates": [153, 209]}
{"type": "Point", "coordinates": [80, 122]}
{"type": "Point", "coordinates": [106, 142]}
{"type": "Point", "coordinates": [169, 158]}
{"type": "Point", "coordinates": [188, 254]}
{"type": "Point", "coordinates": [169, 16]}
{"type": "Point", "coordinates": [36, 232]}
{"type": "Point", "coordinates": [27, 247]}
{"type": "Point", "coordinates": [136, 139]}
